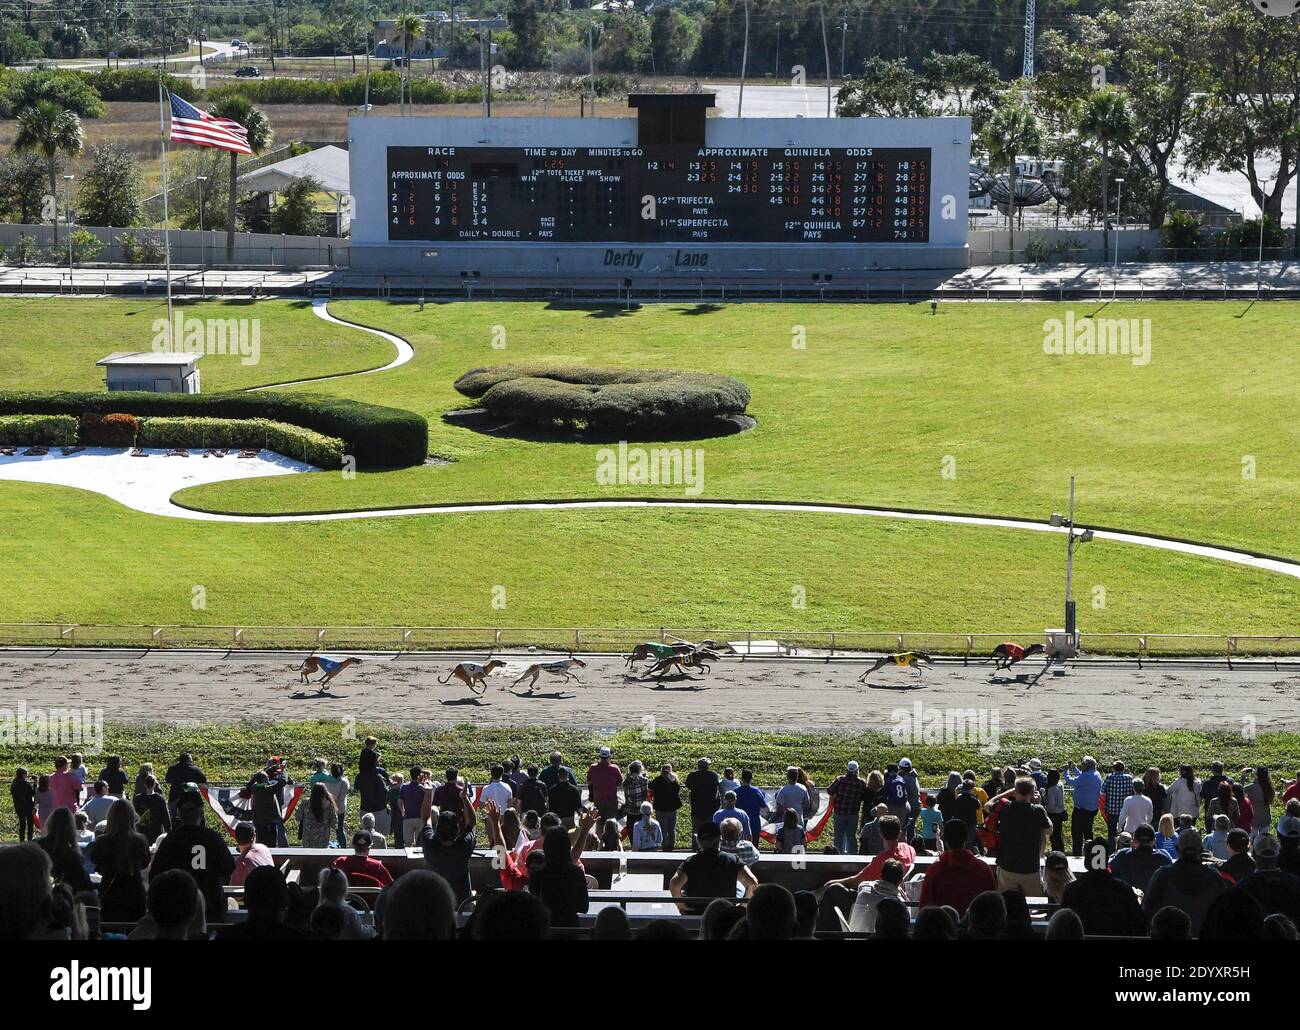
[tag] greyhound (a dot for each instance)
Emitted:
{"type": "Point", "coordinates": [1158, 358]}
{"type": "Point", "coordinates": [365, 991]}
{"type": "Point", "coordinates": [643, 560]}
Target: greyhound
{"type": "Point", "coordinates": [656, 651]}
{"type": "Point", "coordinates": [682, 661]}
{"type": "Point", "coordinates": [902, 659]}
{"type": "Point", "coordinates": [331, 667]}
{"type": "Point", "coordinates": [559, 668]}
{"type": "Point", "coordinates": [474, 675]}
{"type": "Point", "coordinates": [1009, 653]}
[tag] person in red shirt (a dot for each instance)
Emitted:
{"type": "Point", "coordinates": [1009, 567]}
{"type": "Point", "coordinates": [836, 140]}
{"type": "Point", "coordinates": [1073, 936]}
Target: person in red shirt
{"type": "Point", "coordinates": [603, 781]}
{"type": "Point", "coordinates": [959, 876]}
{"type": "Point", "coordinates": [1293, 790]}
{"type": "Point", "coordinates": [360, 862]}
{"type": "Point", "coordinates": [891, 829]}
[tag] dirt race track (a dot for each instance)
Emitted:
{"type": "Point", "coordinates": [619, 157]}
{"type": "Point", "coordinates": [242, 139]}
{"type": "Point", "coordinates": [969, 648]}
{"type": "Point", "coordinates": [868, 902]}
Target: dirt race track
{"type": "Point", "coordinates": [760, 694]}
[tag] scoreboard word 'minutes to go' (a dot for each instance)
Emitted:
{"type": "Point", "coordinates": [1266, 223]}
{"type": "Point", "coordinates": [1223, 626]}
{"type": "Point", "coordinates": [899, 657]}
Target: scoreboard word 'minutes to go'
{"type": "Point", "coordinates": [667, 194]}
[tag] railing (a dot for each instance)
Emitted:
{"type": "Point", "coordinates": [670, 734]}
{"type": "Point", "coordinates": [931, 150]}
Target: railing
{"type": "Point", "coordinates": [826, 644]}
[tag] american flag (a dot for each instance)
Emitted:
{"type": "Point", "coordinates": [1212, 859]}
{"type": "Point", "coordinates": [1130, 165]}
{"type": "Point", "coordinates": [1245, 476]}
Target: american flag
{"type": "Point", "coordinates": [190, 125]}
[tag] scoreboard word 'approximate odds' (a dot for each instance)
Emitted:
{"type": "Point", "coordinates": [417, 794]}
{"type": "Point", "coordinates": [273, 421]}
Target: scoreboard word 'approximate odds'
{"type": "Point", "coordinates": [665, 194]}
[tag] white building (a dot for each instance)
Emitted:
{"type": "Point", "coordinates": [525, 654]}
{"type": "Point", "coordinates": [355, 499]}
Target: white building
{"type": "Point", "coordinates": [151, 371]}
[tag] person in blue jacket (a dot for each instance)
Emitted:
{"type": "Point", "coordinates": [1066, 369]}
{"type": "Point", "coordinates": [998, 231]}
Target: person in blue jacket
{"type": "Point", "coordinates": [1086, 783]}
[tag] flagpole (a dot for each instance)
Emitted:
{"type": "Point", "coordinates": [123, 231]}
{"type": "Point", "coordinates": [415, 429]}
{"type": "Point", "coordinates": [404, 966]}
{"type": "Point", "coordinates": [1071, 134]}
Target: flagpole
{"type": "Point", "coordinates": [167, 244]}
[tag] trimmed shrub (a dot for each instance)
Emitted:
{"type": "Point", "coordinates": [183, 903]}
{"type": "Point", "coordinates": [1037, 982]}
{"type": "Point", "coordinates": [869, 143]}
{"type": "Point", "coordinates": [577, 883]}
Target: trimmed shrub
{"type": "Point", "coordinates": [378, 437]}
{"type": "Point", "coordinates": [604, 398]}
{"type": "Point", "coordinates": [38, 429]}
{"type": "Point", "coordinates": [116, 429]}
{"type": "Point", "coordinates": [291, 441]}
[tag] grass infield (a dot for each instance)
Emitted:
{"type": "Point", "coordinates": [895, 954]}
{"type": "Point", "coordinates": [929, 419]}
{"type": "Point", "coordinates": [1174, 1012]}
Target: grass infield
{"type": "Point", "coordinates": [857, 404]}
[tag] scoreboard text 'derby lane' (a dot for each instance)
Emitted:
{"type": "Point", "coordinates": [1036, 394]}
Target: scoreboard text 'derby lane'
{"type": "Point", "coordinates": [660, 194]}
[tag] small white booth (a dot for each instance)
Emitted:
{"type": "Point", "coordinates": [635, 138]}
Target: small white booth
{"type": "Point", "coordinates": [151, 371]}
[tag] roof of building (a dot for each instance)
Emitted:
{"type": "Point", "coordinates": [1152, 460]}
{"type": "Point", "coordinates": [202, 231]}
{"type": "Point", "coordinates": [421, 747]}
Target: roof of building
{"type": "Point", "coordinates": [328, 165]}
{"type": "Point", "coordinates": [148, 357]}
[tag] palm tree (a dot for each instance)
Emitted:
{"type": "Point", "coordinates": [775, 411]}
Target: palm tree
{"type": "Point", "coordinates": [241, 110]}
{"type": "Point", "coordinates": [1104, 116]}
{"type": "Point", "coordinates": [410, 26]}
{"type": "Point", "coordinates": [52, 130]}
{"type": "Point", "coordinates": [1011, 130]}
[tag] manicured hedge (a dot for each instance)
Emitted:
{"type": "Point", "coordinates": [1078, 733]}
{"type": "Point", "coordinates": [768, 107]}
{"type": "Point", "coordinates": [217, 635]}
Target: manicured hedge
{"type": "Point", "coordinates": [38, 429]}
{"type": "Point", "coordinates": [604, 398]}
{"type": "Point", "coordinates": [378, 437]}
{"type": "Point", "coordinates": [117, 429]}
{"type": "Point", "coordinates": [291, 441]}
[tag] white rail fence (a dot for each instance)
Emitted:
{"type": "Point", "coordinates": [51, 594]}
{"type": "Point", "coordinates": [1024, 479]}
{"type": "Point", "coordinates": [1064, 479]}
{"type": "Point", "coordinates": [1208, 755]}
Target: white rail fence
{"type": "Point", "coordinates": [751, 642]}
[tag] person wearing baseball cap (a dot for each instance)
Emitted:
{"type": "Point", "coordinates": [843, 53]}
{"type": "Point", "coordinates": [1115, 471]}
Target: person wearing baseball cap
{"type": "Point", "coordinates": [199, 851]}
{"type": "Point", "coordinates": [1188, 884]}
{"type": "Point", "coordinates": [1276, 891]}
{"type": "Point", "coordinates": [847, 792]}
{"type": "Point", "coordinates": [603, 780]}
{"type": "Point", "coordinates": [710, 873]}
{"type": "Point", "coordinates": [1137, 864]}
{"type": "Point", "coordinates": [647, 834]}
{"type": "Point", "coordinates": [359, 864]}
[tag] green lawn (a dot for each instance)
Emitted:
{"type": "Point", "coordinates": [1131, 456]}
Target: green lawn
{"type": "Point", "coordinates": [50, 344]}
{"type": "Point", "coordinates": [230, 753]}
{"type": "Point", "coordinates": [78, 556]}
{"type": "Point", "coordinates": [867, 411]}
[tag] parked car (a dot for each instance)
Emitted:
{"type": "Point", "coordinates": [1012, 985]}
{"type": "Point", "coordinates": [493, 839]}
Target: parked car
{"type": "Point", "coordinates": [236, 43]}
{"type": "Point", "coordinates": [247, 72]}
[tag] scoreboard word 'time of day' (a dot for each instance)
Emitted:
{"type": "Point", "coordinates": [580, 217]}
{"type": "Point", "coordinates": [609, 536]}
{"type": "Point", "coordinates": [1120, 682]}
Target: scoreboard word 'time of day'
{"type": "Point", "coordinates": [665, 194]}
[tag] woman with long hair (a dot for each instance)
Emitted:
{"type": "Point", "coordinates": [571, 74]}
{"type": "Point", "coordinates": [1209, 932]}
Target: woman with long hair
{"type": "Point", "coordinates": [1183, 796]}
{"type": "Point", "coordinates": [60, 843]}
{"type": "Point", "coordinates": [610, 837]}
{"type": "Point", "coordinates": [318, 818]}
{"type": "Point", "coordinates": [1225, 803]}
{"type": "Point", "coordinates": [561, 885]}
{"type": "Point", "coordinates": [1056, 875]}
{"type": "Point", "coordinates": [1167, 836]}
{"type": "Point", "coordinates": [1261, 794]}
{"type": "Point", "coordinates": [121, 857]}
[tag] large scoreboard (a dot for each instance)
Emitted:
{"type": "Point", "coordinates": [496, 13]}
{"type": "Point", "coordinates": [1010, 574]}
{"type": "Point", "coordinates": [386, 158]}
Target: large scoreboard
{"type": "Point", "coordinates": [660, 194]}
{"type": "Point", "coordinates": [672, 192]}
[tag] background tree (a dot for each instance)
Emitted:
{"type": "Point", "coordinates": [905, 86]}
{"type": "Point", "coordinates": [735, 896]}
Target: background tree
{"type": "Point", "coordinates": [1104, 117]}
{"type": "Point", "coordinates": [1251, 107]}
{"type": "Point", "coordinates": [110, 187]}
{"type": "Point", "coordinates": [672, 40]}
{"type": "Point", "coordinates": [22, 186]}
{"type": "Point", "coordinates": [296, 214]}
{"type": "Point", "coordinates": [1163, 39]}
{"type": "Point", "coordinates": [525, 20]}
{"type": "Point", "coordinates": [1012, 130]}
{"type": "Point", "coordinates": [887, 89]}
{"type": "Point", "coordinates": [240, 109]}
{"type": "Point", "coordinates": [51, 131]}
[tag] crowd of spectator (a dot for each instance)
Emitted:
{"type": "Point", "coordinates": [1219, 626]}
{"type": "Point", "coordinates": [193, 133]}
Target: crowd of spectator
{"type": "Point", "coordinates": [1217, 857]}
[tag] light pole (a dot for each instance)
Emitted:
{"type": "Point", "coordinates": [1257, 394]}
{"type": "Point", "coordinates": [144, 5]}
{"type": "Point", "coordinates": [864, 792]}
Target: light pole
{"type": "Point", "coordinates": [1259, 262]}
{"type": "Point", "coordinates": [200, 180]}
{"type": "Point", "coordinates": [67, 220]}
{"type": "Point", "coordinates": [1119, 218]}
{"type": "Point", "coordinates": [1072, 539]}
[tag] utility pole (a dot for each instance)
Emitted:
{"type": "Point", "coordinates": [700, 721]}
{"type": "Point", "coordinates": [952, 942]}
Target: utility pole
{"type": "Point", "coordinates": [776, 71]}
{"type": "Point", "coordinates": [1028, 69]}
{"type": "Point", "coordinates": [826, 53]}
{"type": "Point", "coordinates": [744, 60]}
{"type": "Point", "coordinates": [844, 36]}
